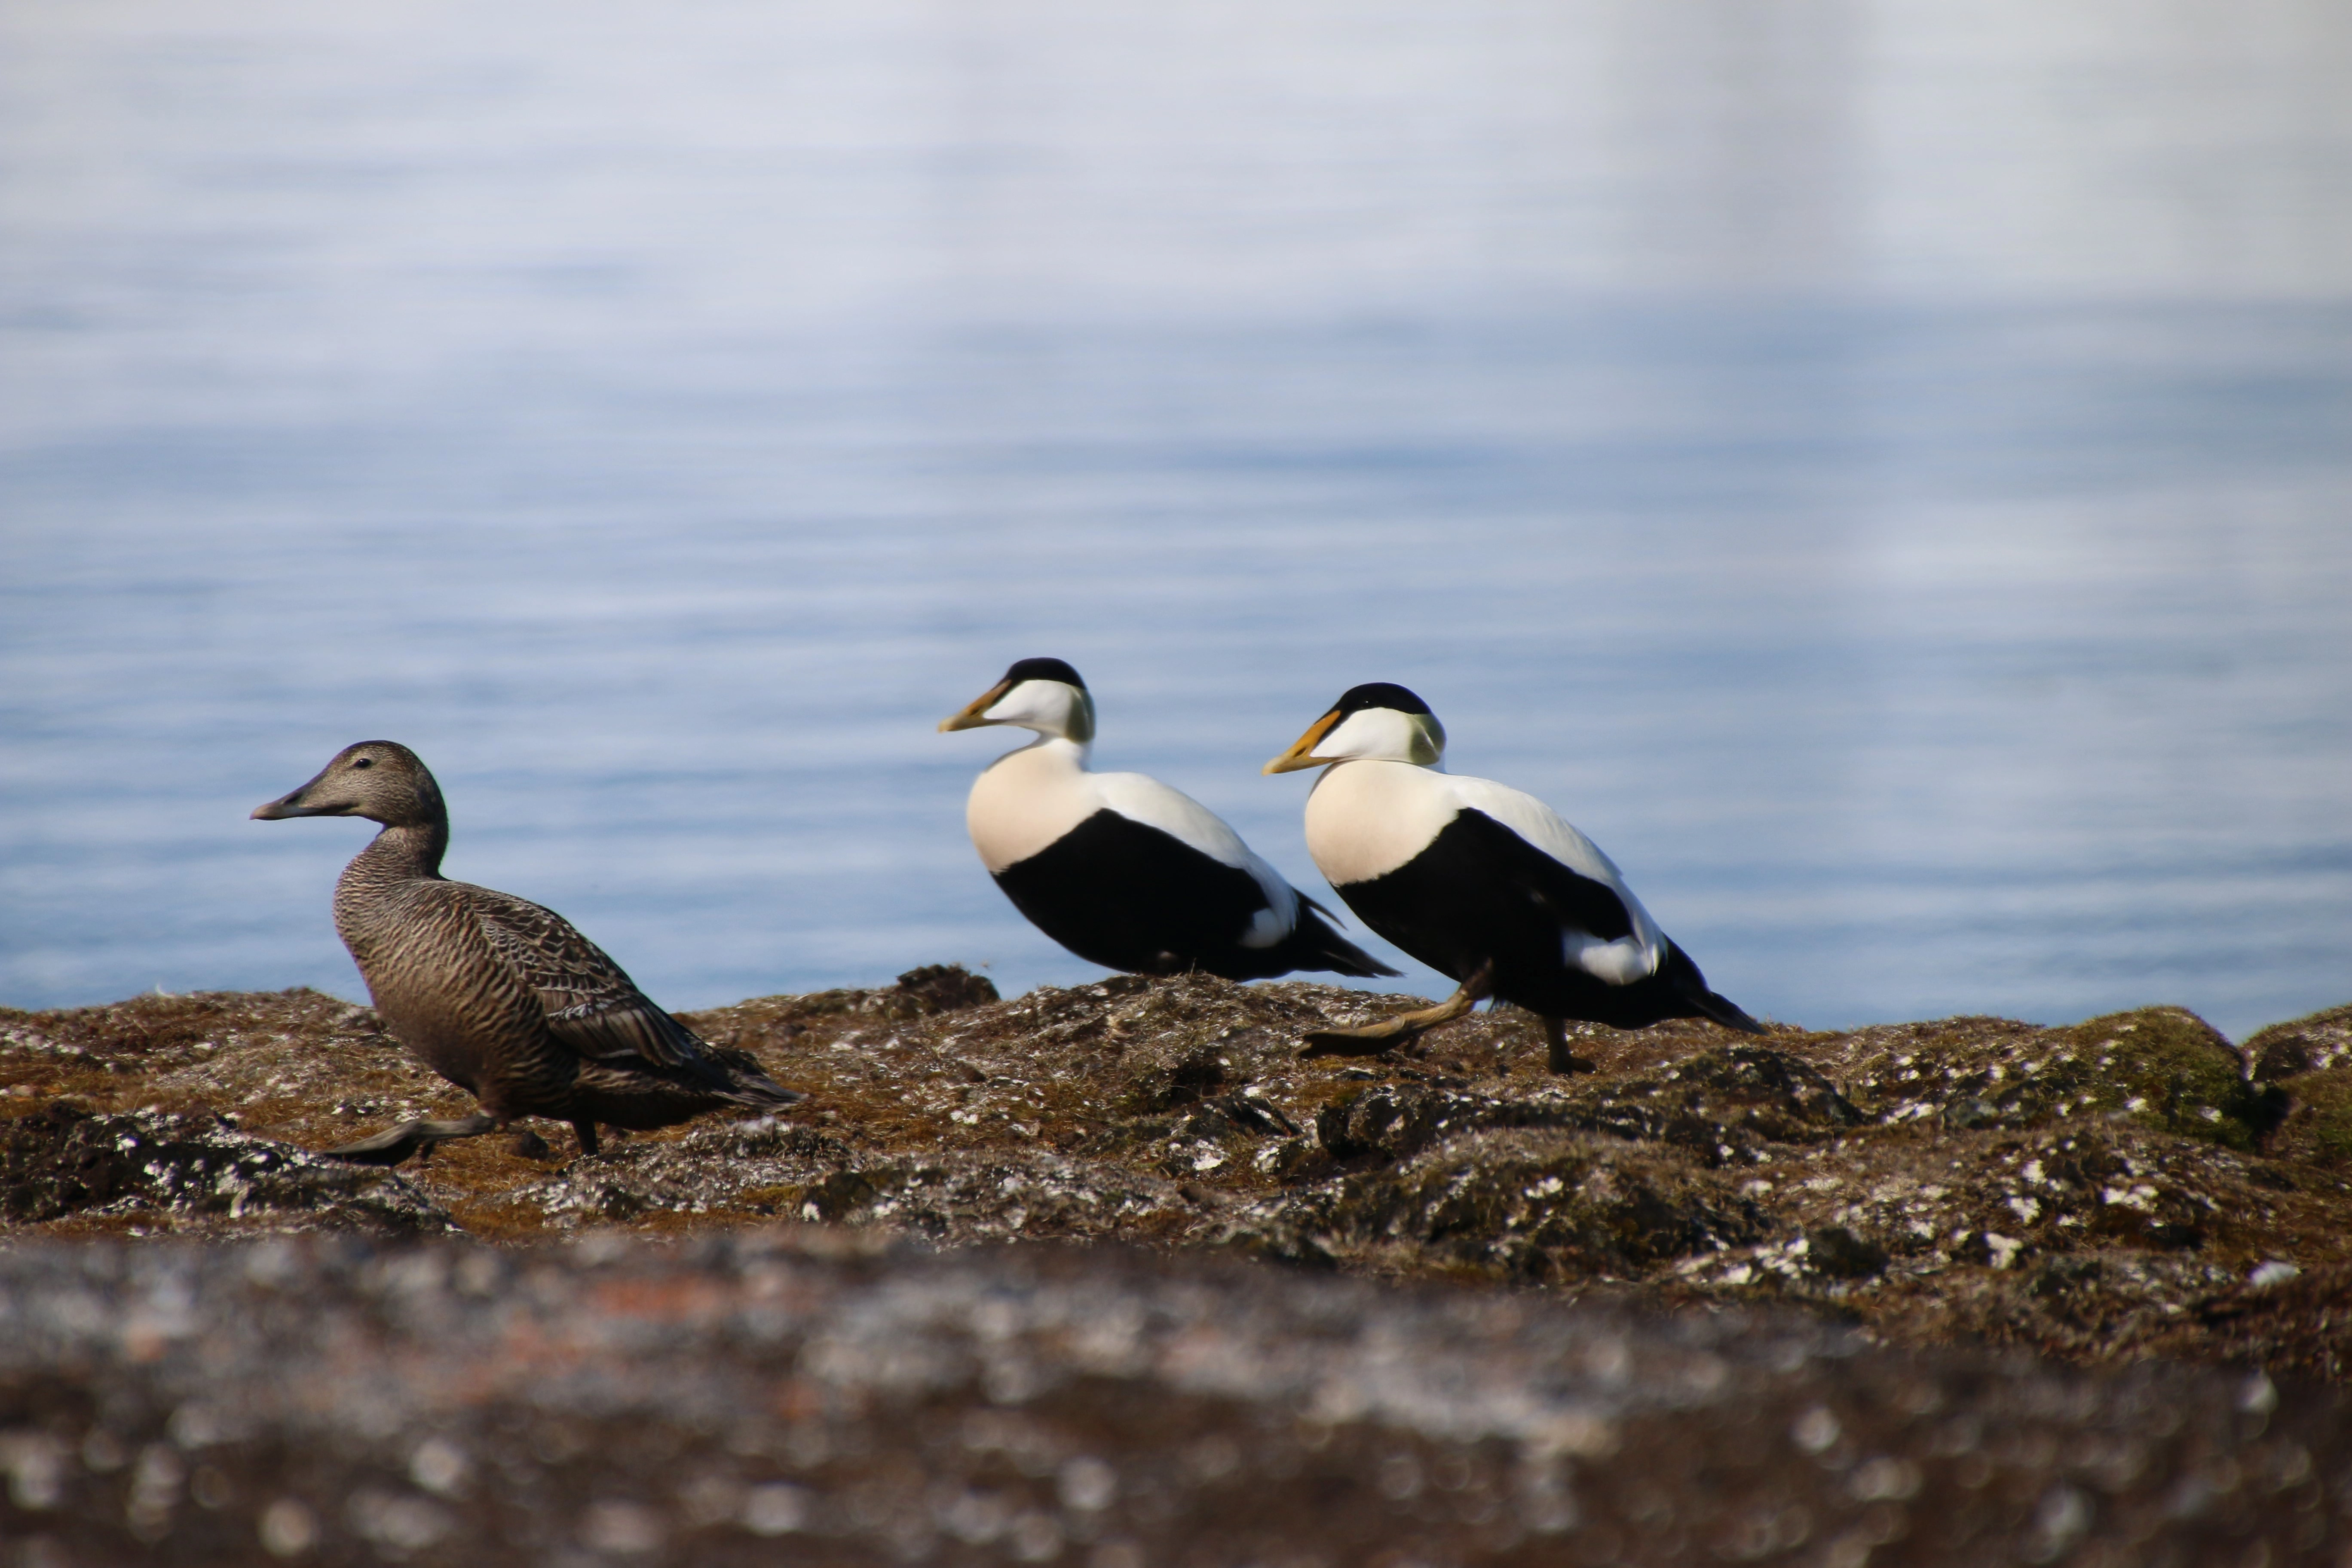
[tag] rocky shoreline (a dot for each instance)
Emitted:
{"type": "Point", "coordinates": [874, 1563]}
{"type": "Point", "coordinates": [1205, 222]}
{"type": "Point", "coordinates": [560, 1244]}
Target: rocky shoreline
{"type": "Point", "coordinates": [2088, 1214]}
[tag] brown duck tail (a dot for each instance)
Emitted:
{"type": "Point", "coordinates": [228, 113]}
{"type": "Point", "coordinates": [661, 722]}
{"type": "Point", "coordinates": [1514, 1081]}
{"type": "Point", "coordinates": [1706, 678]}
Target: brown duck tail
{"type": "Point", "coordinates": [766, 1093]}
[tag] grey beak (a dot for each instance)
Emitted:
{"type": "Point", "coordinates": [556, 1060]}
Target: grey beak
{"type": "Point", "coordinates": [290, 804]}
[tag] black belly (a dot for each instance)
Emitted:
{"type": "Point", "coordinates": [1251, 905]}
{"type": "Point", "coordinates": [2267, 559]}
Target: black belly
{"type": "Point", "coordinates": [1130, 896]}
{"type": "Point", "coordinates": [1480, 893]}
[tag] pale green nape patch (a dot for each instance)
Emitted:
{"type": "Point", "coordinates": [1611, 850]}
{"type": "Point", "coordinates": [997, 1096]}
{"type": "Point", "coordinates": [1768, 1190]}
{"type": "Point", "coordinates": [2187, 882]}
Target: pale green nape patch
{"type": "Point", "coordinates": [1428, 744]}
{"type": "Point", "coordinates": [1081, 717]}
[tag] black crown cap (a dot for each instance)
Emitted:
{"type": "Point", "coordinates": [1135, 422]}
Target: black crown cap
{"type": "Point", "coordinates": [1042, 670]}
{"type": "Point", "coordinates": [1379, 694]}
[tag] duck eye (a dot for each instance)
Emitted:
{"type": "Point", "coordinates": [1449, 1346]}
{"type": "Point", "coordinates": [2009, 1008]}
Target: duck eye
{"type": "Point", "coordinates": [362, 762]}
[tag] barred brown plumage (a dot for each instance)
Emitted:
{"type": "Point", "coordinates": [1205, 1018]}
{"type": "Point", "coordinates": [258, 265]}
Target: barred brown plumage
{"type": "Point", "coordinates": [501, 996]}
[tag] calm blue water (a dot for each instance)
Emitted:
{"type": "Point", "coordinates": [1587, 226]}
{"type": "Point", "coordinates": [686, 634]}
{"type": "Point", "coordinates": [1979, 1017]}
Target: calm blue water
{"type": "Point", "coordinates": [1886, 474]}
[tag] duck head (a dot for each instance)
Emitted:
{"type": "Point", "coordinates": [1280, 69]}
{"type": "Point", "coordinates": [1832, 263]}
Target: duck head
{"type": "Point", "coordinates": [380, 780]}
{"type": "Point", "coordinates": [1381, 722]}
{"type": "Point", "coordinates": [1041, 694]}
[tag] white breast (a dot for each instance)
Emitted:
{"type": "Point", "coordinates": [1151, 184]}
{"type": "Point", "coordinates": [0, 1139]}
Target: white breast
{"type": "Point", "coordinates": [1367, 818]}
{"type": "Point", "coordinates": [1027, 799]}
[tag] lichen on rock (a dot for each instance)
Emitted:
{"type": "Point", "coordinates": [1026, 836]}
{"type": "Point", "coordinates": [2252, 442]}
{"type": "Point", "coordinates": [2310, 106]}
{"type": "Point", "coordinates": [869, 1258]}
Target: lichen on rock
{"type": "Point", "coordinates": [64, 1161]}
{"type": "Point", "coordinates": [2126, 1187]}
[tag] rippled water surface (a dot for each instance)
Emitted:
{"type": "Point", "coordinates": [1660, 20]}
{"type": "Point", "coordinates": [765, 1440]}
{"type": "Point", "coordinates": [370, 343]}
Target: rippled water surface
{"type": "Point", "coordinates": [1883, 471]}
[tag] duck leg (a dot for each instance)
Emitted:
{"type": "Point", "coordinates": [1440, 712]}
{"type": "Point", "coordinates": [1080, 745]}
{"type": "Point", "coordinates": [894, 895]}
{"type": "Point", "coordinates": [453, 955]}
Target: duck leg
{"type": "Point", "coordinates": [1371, 1039]}
{"type": "Point", "coordinates": [586, 1132]}
{"type": "Point", "coordinates": [390, 1148]}
{"type": "Point", "coordinates": [1564, 1061]}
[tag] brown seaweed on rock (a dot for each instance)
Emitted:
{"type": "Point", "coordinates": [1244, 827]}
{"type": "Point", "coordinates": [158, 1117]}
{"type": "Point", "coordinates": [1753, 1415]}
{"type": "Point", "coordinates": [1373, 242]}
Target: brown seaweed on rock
{"type": "Point", "coordinates": [2125, 1187]}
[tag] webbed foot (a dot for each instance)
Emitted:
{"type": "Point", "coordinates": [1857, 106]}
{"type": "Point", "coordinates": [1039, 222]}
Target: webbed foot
{"type": "Point", "coordinates": [1371, 1039]}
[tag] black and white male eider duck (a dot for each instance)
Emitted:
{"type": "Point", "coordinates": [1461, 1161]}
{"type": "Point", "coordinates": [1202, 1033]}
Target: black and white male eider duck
{"type": "Point", "coordinates": [1482, 882]}
{"type": "Point", "coordinates": [1120, 868]}
{"type": "Point", "coordinates": [501, 997]}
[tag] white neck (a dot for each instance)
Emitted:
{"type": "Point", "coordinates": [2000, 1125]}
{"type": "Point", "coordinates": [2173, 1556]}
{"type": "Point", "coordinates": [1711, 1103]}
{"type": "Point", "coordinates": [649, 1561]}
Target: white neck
{"type": "Point", "coordinates": [1057, 750]}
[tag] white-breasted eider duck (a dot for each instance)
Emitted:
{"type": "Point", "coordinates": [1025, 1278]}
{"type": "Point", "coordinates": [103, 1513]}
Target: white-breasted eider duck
{"type": "Point", "coordinates": [1482, 882]}
{"type": "Point", "coordinates": [1120, 868]}
{"type": "Point", "coordinates": [499, 996]}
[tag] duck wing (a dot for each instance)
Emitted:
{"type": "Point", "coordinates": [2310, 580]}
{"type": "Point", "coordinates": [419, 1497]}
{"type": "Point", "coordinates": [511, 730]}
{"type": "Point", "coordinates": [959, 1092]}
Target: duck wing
{"type": "Point", "coordinates": [1567, 869]}
{"type": "Point", "coordinates": [593, 1006]}
{"type": "Point", "coordinates": [1577, 901]}
{"type": "Point", "coordinates": [1141, 798]}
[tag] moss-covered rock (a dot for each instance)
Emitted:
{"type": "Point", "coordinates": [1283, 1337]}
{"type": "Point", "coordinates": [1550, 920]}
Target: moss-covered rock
{"type": "Point", "coordinates": [2086, 1189]}
{"type": "Point", "coordinates": [1724, 1104]}
{"type": "Point", "coordinates": [2162, 1067]}
{"type": "Point", "coordinates": [1532, 1205]}
{"type": "Point", "coordinates": [2315, 1044]}
{"type": "Point", "coordinates": [2170, 1070]}
{"type": "Point", "coordinates": [2317, 1129]}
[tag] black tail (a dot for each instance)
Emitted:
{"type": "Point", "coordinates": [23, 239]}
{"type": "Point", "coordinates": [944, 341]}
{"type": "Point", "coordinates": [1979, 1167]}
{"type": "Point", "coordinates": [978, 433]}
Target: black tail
{"type": "Point", "coordinates": [1691, 986]}
{"type": "Point", "coordinates": [1315, 945]}
{"type": "Point", "coordinates": [1727, 1013]}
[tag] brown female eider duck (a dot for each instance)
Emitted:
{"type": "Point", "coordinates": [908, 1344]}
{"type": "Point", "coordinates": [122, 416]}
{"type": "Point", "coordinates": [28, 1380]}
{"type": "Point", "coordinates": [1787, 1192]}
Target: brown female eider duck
{"type": "Point", "coordinates": [1120, 868]}
{"type": "Point", "coordinates": [499, 996]}
{"type": "Point", "coordinates": [1482, 882]}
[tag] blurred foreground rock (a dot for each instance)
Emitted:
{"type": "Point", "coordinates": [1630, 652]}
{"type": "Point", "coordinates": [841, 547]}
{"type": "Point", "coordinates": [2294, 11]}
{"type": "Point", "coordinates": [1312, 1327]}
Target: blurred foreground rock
{"type": "Point", "coordinates": [825, 1396]}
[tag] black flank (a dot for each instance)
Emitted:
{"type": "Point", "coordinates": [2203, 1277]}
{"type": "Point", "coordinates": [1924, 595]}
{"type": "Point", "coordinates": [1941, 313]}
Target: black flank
{"type": "Point", "coordinates": [1130, 896]}
{"type": "Point", "coordinates": [1480, 891]}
